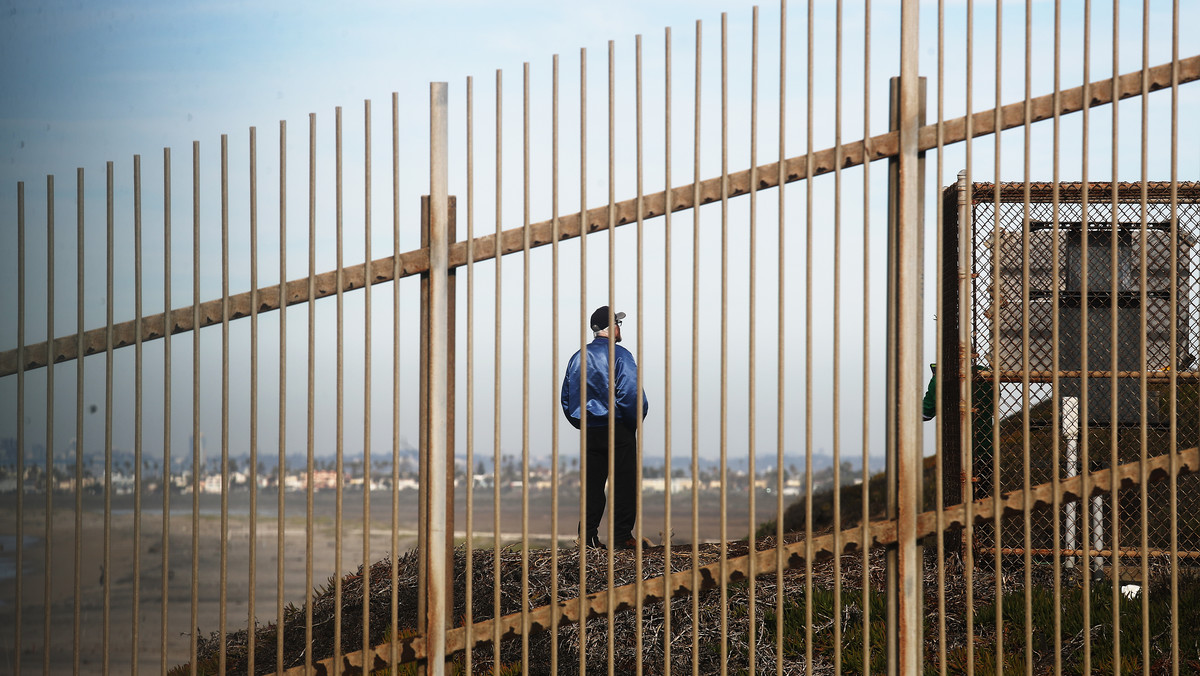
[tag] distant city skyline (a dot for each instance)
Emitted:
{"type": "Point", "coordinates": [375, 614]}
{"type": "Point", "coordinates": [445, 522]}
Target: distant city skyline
{"type": "Point", "coordinates": [98, 83]}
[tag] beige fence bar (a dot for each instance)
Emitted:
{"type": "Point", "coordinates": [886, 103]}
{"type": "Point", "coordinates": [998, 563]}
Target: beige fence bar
{"type": "Point", "coordinates": [667, 447]}
{"type": "Point", "coordinates": [525, 312]}
{"type": "Point", "coordinates": [252, 567]}
{"type": "Point", "coordinates": [281, 436]}
{"type": "Point", "coordinates": [1057, 407]}
{"type": "Point", "coordinates": [1174, 404]}
{"type": "Point", "coordinates": [469, 593]}
{"type": "Point", "coordinates": [837, 339]}
{"type": "Point", "coordinates": [940, 353]}
{"type": "Point", "coordinates": [781, 350]}
{"type": "Point", "coordinates": [1142, 361]}
{"type": "Point", "coordinates": [612, 346]}
{"type": "Point", "coordinates": [106, 584]}
{"type": "Point", "coordinates": [866, 349]}
{"type": "Point", "coordinates": [393, 600]}
{"type": "Point", "coordinates": [49, 535]}
{"type": "Point", "coordinates": [312, 321]}
{"type": "Point", "coordinates": [1114, 449]}
{"type": "Point", "coordinates": [808, 343]}
{"type": "Point", "coordinates": [78, 488]}
{"type": "Point", "coordinates": [554, 389]}
{"type": "Point", "coordinates": [724, 443]}
{"type": "Point", "coordinates": [367, 328]}
{"type": "Point", "coordinates": [639, 629]}
{"type": "Point", "coordinates": [20, 545]}
{"type": "Point", "coordinates": [496, 392]}
{"type": "Point", "coordinates": [582, 530]}
{"type": "Point", "coordinates": [164, 569]}
{"type": "Point", "coordinates": [340, 414]}
{"type": "Point", "coordinates": [435, 627]}
{"type": "Point", "coordinates": [752, 351]}
{"type": "Point", "coordinates": [134, 630]}
{"type": "Point", "coordinates": [908, 349]}
{"type": "Point", "coordinates": [1087, 523]}
{"type": "Point", "coordinates": [222, 654]}
{"type": "Point", "coordinates": [695, 469]}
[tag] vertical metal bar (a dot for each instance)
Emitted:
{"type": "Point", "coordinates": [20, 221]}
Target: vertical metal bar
{"type": "Point", "coordinates": [612, 347]}
{"type": "Point", "coordinates": [496, 393]}
{"type": "Point", "coordinates": [469, 595]}
{"type": "Point", "coordinates": [435, 620]}
{"type": "Point", "coordinates": [695, 473]}
{"type": "Point", "coordinates": [339, 448]}
{"type": "Point", "coordinates": [939, 351]}
{"type": "Point", "coordinates": [837, 344]}
{"type": "Point", "coordinates": [1084, 407]}
{"type": "Point", "coordinates": [583, 422]}
{"type": "Point", "coordinates": [722, 565]}
{"type": "Point", "coordinates": [667, 448]}
{"type": "Point", "coordinates": [1143, 473]}
{"type": "Point", "coordinates": [366, 538]}
{"type": "Point", "coordinates": [639, 406]}
{"type": "Point", "coordinates": [1027, 501]}
{"type": "Point", "coordinates": [311, 421]}
{"type": "Point", "coordinates": [108, 357]}
{"type": "Point", "coordinates": [997, 244]}
{"type": "Point", "coordinates": [865, 423]}
{"type": "Point", "coordinates": [224, 577]}
{"type": "Point", "coordinates": [197, 440]}
{"type": "Point", "coordinates": [281, 466]}
{"type": "Point", "coordinates": [252, 567]}
{"type": "Point", "coordinates": [908, 349]}
{"type": "Point", "coordinates": [18, 601]}
{"type": "Point", "coordinates": [779, 341]}
{"type": "Point", "coordinates": [166, 423]}
{"type": "Point", "coordinates": [48, 535]}
{"type": "Point", "coordinates": [966, 342]}
{"type": "Point", "coordinates": [525, 303]}
{"type": "Point", "coordinates": [1174, 376]}
{"type": "Point", "coordinates": [79, 351]}
{"type": "Point", "coordinates": [393, 600]}
{"type": "Point", "coordinates": [554, 420]}
{"type": "Point", "coordinates": [752, 356]}
{"type": "Point", "coordinates": [1058, 406]}
{"type": "Point", "coordinates": [808, 360]}
{"type": "Point", "coordinates": [137, 415]}
{"type": "Point", "coordinates": [1114, 364]}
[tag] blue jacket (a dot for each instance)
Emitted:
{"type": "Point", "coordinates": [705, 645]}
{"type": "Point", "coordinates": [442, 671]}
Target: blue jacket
{"type": "Point", "coordinates": [624, 372]}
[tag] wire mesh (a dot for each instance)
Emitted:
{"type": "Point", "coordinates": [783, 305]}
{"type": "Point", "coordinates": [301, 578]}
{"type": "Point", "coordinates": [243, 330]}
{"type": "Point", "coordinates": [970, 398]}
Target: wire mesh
{"type": "Point", "coordinates": [1000, 223]}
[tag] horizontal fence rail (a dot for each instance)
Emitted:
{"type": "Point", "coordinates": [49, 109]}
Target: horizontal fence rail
{"type": "Point", "coordinates": [1042, 520]}
{"type": "Point", "coordinates": [682, 198]}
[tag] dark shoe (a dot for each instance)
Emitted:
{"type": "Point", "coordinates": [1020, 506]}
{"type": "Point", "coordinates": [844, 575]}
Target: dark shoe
{"type": "Point", "coordinates": [628, 544]}
{"type": "Point", "coordinates": [593, 542]}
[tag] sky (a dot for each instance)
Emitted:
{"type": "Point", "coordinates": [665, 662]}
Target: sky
{"type": "Point", "coordinates": [86, 84]}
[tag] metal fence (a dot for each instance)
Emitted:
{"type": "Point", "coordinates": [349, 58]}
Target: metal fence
{"type": "Point", "coordinates": [760, 326]}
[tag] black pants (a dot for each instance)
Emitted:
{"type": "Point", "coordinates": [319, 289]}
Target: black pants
{"type": "Point", "coordinates": [624, 480]}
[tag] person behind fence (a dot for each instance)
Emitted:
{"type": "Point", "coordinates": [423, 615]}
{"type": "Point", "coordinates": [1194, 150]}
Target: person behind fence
{"type": "Point", "coordinates": [606, 326]}
{"type": "Point", "coordinates": [981, 427]}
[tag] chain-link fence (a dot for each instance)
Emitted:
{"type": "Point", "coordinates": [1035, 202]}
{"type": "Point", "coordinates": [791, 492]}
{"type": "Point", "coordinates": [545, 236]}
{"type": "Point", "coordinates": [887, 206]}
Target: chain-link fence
{"type": "Point", "coordinates": [1071, 304]}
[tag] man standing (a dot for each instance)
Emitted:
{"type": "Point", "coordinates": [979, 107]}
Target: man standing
{"type": "Point", "coordinates": [606, 326]}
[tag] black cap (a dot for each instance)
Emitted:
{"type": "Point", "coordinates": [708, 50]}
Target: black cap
{"type": "Point", "coordinates": [600, 318]}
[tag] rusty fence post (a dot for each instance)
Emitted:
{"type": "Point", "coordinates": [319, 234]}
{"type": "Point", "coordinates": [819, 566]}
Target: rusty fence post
{"type": "Point", "coordinates": [435, 371]}
{"type": "Point", "coordinates": [905, 317]}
